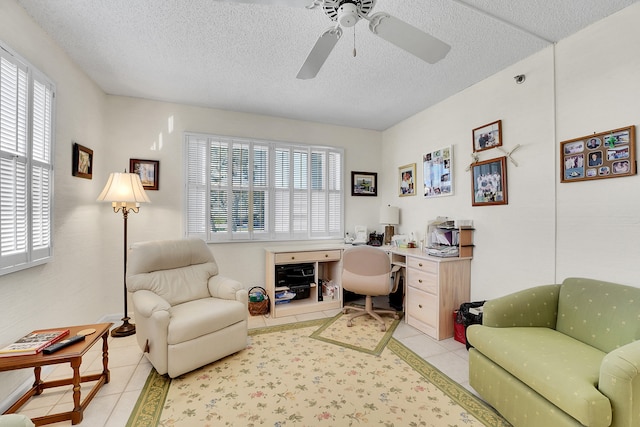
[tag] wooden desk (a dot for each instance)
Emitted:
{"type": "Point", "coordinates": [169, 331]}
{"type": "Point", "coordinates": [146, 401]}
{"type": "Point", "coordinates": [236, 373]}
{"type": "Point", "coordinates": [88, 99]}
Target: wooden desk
{"type": "Point", "coordinates": [434, 288]}
{"type": "Point", "coordinates": [72, 355]}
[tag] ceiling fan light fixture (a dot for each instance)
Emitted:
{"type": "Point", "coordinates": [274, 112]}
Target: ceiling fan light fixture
{"type": "Point", "coordinates": [348, 14]}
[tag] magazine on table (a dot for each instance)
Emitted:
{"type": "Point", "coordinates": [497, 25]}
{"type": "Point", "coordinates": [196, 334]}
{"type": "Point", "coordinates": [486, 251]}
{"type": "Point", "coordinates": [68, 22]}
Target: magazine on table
{"type": "Point", "coordinates": [33, 343]}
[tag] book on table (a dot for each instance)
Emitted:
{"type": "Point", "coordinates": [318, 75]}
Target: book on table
{"type": "Point", "coordinates": [34, 342]}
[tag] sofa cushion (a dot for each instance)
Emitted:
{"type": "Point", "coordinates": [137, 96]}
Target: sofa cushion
{"type": "Point", "coordinates": [602, 314]}
{"type": "Point", "coordinates": [563, 370]}
{"type": "Point", "coordinates": [193, 319]}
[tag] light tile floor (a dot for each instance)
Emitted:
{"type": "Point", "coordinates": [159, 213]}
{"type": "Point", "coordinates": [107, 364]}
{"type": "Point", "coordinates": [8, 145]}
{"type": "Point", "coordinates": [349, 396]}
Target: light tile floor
{"type": "Point", "coordinates": [114, 402]}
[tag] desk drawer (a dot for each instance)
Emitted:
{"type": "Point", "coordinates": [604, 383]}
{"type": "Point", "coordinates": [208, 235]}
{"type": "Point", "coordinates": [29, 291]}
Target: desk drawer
{"type": "Point", "coordinates": [427, 282]}
{"type": "Point", "coordinates": [423, 307]}
{"type": "Point", "coordinates": [423, 265]}
{"type": "Point", "coordinates": [296, 257]}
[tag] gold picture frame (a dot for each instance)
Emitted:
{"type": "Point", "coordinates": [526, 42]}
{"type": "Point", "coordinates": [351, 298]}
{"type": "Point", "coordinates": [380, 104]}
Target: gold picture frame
{"type": "Point", "coordinates": [407, 180]}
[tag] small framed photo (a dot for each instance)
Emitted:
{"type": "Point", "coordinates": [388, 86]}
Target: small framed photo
{"type": "Point", "coordinates": [437, 173]}
{"type": "Point", "coordinates": [487, 136]}
{"type": "Point", "coordinates": [149, 171]}
{"type": "Point", "coordinates": [489, 182]}
{"type": "Point", "coordinates": [407, 176]}
{"type": "Point", "coordinates": [82, 161]}
{"type": "Point", "coordinates": [364, 184]}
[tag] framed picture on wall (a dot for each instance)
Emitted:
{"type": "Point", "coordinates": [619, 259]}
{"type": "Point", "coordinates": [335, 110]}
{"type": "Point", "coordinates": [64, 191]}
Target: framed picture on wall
{"type": "Point", "coordinates": [489, 182]}
{"type": "Point", "coordinates": [82, 161]}
{"type": "Point", "coordinates": [437, 172]}
{"type": "Point", "coordinates": [149, 171]}
{"type": "Point", "coordinates": [364, 184]}
{"type": "Point", "coordinates": [608, 154]}
{"type": "Point", "coordinates": [487, 136]}
{"type": "Point", "coordinates": [406, 183]}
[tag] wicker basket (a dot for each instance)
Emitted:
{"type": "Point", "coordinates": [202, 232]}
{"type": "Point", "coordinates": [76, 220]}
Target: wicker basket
{"type": "Point", "coordinates": [257, 308]}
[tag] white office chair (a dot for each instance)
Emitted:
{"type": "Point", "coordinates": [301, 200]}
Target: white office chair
{"type": "Point", "coordinates": [367, 271]}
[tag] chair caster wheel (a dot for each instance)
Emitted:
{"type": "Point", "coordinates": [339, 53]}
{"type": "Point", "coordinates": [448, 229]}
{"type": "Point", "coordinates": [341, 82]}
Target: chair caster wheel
{"type": "Point", "coordinates": [396, 316]}
{"type": "Point", "coordinates": [383, 328]}
{"type": "Point", "coordinates": [349, 323]}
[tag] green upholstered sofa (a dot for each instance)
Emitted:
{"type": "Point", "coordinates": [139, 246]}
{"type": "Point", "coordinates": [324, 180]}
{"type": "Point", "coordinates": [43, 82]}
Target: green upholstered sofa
{"type": "Point", "coordinates": [560, 355]}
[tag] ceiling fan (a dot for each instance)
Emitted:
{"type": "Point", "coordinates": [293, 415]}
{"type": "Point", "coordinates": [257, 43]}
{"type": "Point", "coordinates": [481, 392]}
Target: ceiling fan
{"type": "Point", "coordinates": [346, 14]}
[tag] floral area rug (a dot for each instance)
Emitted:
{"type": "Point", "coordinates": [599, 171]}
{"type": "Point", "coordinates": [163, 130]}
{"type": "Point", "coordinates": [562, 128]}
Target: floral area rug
{"type": "Point", "coordinates": [364, 335]}
{"type": "Point", "coordinates": [286, 378]}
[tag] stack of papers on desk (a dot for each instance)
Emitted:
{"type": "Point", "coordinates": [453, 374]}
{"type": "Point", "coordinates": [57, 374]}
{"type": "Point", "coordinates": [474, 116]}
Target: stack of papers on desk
{"type": "Point", "coordinates": [443, 251]}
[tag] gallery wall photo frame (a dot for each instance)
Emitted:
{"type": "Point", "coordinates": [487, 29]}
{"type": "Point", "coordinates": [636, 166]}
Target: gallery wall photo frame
{"type": "Point", "coordinates": [407, 180]}
{"type": "Point", "coordinates": [81, 161]}
{"type": "Point", "coordinates": [364, 183]}
{"type": "Point", "coordinates": [437, 172]}
{"type": "Point", "coordinates": [149, 172]}
{"type": "Point", "coordinates": [489, 182]}
{"type": "Point", "coordinates": [609, 154]}
{"type": "Point", "coordinates": [487, 136]}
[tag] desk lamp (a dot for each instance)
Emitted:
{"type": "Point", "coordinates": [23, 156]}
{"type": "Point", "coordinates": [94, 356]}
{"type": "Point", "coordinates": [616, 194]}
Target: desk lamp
{"type": "Point", "coordinates": [390, 216]}
{"type": "Point", "coordinates": [125, 192]}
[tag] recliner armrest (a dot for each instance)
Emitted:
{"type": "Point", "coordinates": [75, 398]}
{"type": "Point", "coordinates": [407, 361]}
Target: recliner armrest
{"type": "Point", "coordinates": [620, 382]}
{"type": "Point", "coordinates": [537, 307]}
{"type": "Point", "coordinates": [147, 303]}
{"type": "Point", "coordinates": [227, 288]}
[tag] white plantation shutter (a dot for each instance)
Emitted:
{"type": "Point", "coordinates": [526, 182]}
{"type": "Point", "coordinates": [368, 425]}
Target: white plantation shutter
{"type": "Point", "coordinates": [26, 165]}
{"type": "Point", "coordinates": [239, 189]}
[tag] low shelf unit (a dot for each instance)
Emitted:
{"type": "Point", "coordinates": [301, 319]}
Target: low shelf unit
{"type": "Point", "coordinates": [327, 265]}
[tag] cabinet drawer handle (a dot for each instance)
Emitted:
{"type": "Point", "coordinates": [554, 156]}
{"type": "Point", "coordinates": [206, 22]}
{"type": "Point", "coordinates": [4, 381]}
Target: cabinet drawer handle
{"type": "Point", "coordinates": [293, 257]}
{"type": "Point", "coordinates": [419, 280]}
{"type": "Point", "coordinates": [419, 264]}
{"type": "Point", "coordinates": [326, 255]}
{"type": "Point", "coordinates": [420, 305]}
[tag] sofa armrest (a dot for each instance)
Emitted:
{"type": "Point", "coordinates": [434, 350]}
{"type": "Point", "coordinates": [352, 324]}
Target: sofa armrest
{"type": "Point", "coordinates": [146, 303]}
{"type": "Point", "coordinates": [226, 288]}
{"type": "Point", "coordinates": [620, 382]}
{"type": "Point", "coordinates": [536, 307]}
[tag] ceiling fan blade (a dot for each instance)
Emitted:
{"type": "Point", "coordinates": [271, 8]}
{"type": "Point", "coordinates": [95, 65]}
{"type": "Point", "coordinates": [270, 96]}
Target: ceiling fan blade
{"type": "Point", "coordinates": [408, 37]}
{"type": "Point", "coordinates": [291, 3]}
{"type": "Point", "coordinates": [319, 53]}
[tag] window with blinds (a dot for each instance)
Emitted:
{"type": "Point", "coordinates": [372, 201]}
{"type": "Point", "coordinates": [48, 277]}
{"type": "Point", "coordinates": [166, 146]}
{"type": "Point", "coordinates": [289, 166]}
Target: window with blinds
{"type": "Point", "coordinates": [26, 164]}
{"type": "Point", "coordinates": [239, 189]}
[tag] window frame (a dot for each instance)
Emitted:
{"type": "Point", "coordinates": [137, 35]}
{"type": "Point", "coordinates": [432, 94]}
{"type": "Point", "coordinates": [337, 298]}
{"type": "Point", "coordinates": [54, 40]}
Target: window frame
{"type": "Point", "coordinates": [38, 160]}
{"type": "Point", "coordinates": [198, 189]}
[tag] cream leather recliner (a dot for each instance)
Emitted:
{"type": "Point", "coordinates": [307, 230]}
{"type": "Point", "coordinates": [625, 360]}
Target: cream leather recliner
{"type": "Point", "coordinates": [186, 315]}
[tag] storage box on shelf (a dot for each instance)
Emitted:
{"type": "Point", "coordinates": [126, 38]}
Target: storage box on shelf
{"type": "Point", "coordinates": [446, 240]}
{"type": "Point", "coordinates": [325, 262]}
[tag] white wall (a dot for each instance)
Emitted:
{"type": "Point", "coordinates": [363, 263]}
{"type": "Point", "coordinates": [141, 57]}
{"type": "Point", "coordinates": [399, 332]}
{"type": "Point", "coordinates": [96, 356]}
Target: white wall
{"type": "Point", "coordinates": [587, 83]}
{"type": "Point", "coordinates": [143, 129]}
{"type": "Point", "coordinates": [599, 90]}
{"type": "Point", "coordinates": [507, 237]}
{"type": "Point", "coordinates": [71, 289]}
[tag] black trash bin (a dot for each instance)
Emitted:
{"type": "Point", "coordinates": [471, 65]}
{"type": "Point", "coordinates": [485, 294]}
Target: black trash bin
{"type": "Point", "coordinates": [469, 313]}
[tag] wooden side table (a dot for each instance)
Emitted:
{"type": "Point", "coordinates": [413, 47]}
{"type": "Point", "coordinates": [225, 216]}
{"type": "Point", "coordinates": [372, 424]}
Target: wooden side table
{"type": "Point", "coordinates": [72, 355]}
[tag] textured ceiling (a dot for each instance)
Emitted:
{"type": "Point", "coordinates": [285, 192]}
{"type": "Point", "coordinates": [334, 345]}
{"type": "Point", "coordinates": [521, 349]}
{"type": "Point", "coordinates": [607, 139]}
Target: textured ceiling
{"type": "Point", "coordinates": [244, 57]}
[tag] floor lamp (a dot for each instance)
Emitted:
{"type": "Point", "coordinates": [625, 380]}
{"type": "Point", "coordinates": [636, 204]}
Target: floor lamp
{"type": "Point", "coordinates": [125, 192]}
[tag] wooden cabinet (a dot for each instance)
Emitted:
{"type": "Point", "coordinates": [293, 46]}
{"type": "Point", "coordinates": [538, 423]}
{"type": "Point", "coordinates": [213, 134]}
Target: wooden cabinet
{"type": "Point", "coordinates": [327, 263]}
{"type": "Point", "coordinates": [435, 288]}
